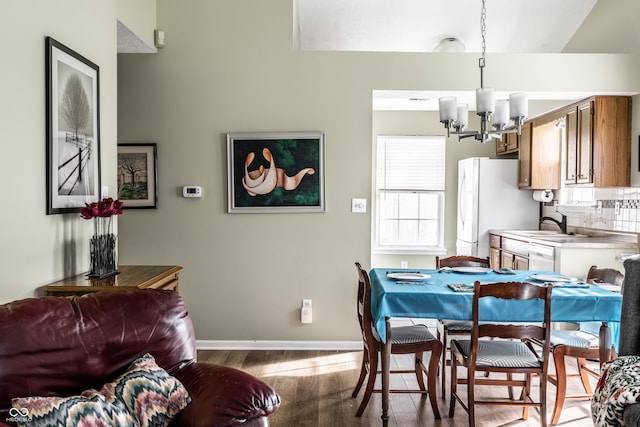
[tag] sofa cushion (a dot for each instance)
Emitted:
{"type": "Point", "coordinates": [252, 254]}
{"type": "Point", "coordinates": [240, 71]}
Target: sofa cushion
{"type": "Point", "coordinates": [60, 346]}
{"type": "Point", "coordinates": [145, 395]}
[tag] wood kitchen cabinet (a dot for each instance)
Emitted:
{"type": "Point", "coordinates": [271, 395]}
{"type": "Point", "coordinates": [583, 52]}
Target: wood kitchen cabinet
{"type": "Point", "coordinates": [494, 251]}
{"type": "Point", "coordinates": [598, 142]}
{"type": "Point", "coordinates": [508, 253]}
{"type": "Point", "coordinates": [524, 157]}
{"type": "Point", "coordinates": [508, 144]}
{"type": "Point", "coordinates": [540, 153]}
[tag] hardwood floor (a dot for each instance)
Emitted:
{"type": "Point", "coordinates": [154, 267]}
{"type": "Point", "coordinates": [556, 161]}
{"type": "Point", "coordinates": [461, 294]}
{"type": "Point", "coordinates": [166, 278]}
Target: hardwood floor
{"type": "Point", "coordinates": [316, 387]}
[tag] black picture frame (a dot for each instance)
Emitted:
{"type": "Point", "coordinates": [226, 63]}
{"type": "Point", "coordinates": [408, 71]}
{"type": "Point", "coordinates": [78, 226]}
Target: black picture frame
{"type": "Point", "coordinates": [275, 172]}
{"type": "Point", "coordinates": [73, 129]}
{"type": "Point", "coordinates": [138, 175]}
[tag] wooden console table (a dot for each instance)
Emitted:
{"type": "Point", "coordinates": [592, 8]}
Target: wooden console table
{"type": "Point", "coordinates": [130, 277]}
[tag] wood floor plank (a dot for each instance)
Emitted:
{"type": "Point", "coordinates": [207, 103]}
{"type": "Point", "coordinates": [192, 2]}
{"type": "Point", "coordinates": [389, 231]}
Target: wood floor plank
{"type": "Point", "coordinates": [315, 388]}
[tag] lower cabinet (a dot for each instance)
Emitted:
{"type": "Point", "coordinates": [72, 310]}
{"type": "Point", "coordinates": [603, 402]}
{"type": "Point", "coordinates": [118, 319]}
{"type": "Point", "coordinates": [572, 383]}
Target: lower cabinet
{"type": "Point", "coordinates": [508, 253]}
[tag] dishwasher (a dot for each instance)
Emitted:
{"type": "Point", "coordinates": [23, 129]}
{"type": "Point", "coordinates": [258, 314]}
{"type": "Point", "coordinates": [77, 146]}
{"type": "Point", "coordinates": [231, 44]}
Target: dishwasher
{"type": "Point", "coordinates": [541, 257]}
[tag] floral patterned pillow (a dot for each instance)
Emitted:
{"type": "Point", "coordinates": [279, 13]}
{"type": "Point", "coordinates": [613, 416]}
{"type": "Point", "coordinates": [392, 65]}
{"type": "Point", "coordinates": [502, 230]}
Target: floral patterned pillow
{"type": "Point", "coordinates": [618, 387]}
{"type": "Point", "coordinates": [145, 395]}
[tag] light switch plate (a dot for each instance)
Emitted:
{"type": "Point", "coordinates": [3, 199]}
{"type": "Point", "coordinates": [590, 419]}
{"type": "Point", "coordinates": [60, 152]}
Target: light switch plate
{"type": "Point", "coordinates": [359, 205]}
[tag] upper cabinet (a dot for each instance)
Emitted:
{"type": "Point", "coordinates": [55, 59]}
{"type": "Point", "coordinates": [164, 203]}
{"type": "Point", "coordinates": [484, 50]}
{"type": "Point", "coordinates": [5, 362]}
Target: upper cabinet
{"type": "Point", "coordinates": [539, 155]}
{"type": "Point", "coordinates": [509, 143]}
{"type": "Point", "coordinates": [597, 145]}
{"type": "Point", "coordinates": [598, 142]}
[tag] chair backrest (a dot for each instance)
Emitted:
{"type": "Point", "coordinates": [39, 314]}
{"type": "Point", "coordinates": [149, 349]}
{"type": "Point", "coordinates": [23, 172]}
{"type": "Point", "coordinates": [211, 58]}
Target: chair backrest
{"type": "Point", "coordinates": [462, 261]}
{"type": "Point", "coordinates": [629, 342]}
{"type": "Point", "coordinates": [607, 275]}
{"type": "Point", "coordinates": [522, 331]}
{"type": "Point", "coordinates": [364, 308]}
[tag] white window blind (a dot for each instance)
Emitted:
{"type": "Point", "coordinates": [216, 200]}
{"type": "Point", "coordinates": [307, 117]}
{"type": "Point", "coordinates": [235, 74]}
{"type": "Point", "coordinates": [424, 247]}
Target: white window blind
{"type": "Point", "coordinates": [410, 174]}
{"type": "Point", "coordinates": [411, 163]}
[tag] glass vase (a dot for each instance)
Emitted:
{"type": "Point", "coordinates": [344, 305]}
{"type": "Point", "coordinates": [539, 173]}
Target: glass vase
{"type": "Point", "coordinates": [104, 262]}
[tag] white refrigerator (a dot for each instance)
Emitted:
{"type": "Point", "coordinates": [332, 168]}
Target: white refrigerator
{"type": "Point", "coordinates": [489, 199]}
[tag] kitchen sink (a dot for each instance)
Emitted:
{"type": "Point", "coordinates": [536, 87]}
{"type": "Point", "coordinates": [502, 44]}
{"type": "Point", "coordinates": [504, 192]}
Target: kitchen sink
{"type": "Point", "coordinates": [563, 238]}
{"type": "Point", "coordinates": [548, 235]}
{"type": "Point", "coordinates": [537, 233]}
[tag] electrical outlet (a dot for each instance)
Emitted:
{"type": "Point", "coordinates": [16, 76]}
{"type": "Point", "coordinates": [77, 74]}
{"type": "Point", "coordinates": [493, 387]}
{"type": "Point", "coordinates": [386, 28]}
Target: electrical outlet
{"type": "Point", "coordinates": [599, 207]}
{"type": "Point", "coordinates": [306, 312]}
{"type": "Point", "coordinates": [617, 207]}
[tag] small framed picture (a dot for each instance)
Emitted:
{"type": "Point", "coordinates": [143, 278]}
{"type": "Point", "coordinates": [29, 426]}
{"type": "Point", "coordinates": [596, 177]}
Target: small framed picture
{"type": "Point", "coordinates": [138, 175]}
{"type": "Point", "coordinates": [73, 129]}
{"type": "Point", "coordinates": [275, 172]}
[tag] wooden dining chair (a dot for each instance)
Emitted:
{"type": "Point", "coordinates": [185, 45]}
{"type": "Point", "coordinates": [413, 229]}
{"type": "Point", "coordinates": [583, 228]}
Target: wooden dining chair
{"type": "Point", "coordinates": [414, 339]}
{"type": "Point", "coordinates": [447, 328]}
{"type": "Point", "coordinates": [581, 344]}
{"type": "Point", "coordinates": [510, 351]}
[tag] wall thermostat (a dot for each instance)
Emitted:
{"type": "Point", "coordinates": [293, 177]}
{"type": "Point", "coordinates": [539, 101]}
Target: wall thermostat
{"type": "Point", "coordinates": [191, 191]}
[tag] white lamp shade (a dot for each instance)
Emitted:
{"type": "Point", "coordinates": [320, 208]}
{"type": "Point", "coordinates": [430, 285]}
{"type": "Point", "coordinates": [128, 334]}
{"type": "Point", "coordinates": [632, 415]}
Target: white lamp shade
{"type": "Point", "coordinates": [518, 105]}
{"type": "Point", "coordinates": [501, 117]}
{"type": "Point", "coordinates": [463, 115]}
{"type": "Point", "coordinates": [448, 109]}
{"type": "Point", "coordinates": [485, 100]}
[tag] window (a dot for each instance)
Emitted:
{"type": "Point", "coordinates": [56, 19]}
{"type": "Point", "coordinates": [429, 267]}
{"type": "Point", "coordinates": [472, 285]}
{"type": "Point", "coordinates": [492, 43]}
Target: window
{"type": "Point", "coordinates": [410, 193]}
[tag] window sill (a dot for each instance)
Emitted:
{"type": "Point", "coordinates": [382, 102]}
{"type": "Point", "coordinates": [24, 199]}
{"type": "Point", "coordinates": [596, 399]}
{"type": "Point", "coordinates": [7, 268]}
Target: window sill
{"type": "Point", "coordinates": [410, 251]}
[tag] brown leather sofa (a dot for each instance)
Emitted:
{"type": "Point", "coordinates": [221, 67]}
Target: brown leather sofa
{"type": "Point", "coordinates": [61, 346]}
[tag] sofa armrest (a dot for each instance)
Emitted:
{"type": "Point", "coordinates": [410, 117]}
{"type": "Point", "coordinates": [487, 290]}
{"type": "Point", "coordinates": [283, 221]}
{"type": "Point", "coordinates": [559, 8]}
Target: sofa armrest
{"type": "Point", "coordinates": [221, 395]}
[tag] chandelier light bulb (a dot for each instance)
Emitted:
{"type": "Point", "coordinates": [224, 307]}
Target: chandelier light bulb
{"type": "Point", "coordinates": [501, 117]}
{"type": "Point", "coordinates": [485, 100]}
{"type": "Point", "coordinates": [463, 116]}
{"type": "Point", "coordinates": [518, 105]}
{"type": "Point", "coordinates": [448, 109]}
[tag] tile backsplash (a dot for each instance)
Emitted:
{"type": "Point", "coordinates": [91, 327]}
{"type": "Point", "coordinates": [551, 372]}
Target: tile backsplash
{"type": "Point", "coordinates": [616, 209]}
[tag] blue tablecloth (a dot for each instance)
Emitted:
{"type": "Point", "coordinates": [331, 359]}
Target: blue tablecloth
{"type": "Point", "coordinates": [435, 300]}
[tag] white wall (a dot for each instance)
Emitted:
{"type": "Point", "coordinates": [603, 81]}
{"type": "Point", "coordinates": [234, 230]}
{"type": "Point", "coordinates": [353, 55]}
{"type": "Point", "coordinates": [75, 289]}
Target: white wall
{"type": "Point", "coordinates": [230, 66]}
{"type": "Point", "coordinates": [38, 248]}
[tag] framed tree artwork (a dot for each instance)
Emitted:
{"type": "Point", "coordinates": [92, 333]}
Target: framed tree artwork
{"type": "Point", "coordinates": [73, 129]}
{"type": "Point", "coordinates": [138, 175]}
{"type": "Point", "coordinates": [275, 172]}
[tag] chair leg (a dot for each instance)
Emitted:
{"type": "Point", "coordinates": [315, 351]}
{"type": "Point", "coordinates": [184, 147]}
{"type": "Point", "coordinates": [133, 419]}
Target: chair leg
{"type": "Point", "coordinates": [373, 372]}
{"type": "Point", "coordinates": [471, 396]}
{"type": "Point", "coordinates": [526, 394]}
{"type": "Point", "coordinates": [443, 371]}
{"type": "Point", "coordinates": [417, 366]}
{"type": "Point", "coordinates": [363, 373]}
{"type": "Point", "coordinates": [453, 388]}
{"type": "Point", "coordinates": [584, 375]}
{"type": "Point", "coordinates": [543, 403]}
{"type": "Point", "coordinates": [434, 359]}
{"type": "Point", "coordinates": [561, 383]}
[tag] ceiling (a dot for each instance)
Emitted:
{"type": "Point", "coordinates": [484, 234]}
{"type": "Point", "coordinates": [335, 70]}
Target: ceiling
{"type": "Point", "coordinates": [512, 26]}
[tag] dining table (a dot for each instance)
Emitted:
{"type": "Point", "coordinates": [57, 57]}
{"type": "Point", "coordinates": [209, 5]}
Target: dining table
{"type": "Point", "coordinates": [447, 294]}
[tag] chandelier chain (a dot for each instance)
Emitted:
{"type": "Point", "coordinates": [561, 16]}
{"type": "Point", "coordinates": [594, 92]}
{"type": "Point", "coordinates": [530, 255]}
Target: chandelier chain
{"type": "Point", "coordinates": [483, 33]}
{"type": "Point", "coordinates": [483, 26]}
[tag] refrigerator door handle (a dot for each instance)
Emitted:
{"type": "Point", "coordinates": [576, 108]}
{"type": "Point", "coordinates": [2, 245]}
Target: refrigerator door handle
{"type": "Point", "coordinates": [461, 207]}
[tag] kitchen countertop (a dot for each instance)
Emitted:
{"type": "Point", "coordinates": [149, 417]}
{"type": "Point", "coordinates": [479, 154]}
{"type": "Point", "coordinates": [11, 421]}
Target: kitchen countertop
{"type": "Point", "coordinates": [577, 238]}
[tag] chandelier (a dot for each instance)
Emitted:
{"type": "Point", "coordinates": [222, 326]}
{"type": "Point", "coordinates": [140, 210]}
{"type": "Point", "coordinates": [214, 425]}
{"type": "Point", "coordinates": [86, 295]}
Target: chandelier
{"type": "Point", "coordinates": [456, 116]}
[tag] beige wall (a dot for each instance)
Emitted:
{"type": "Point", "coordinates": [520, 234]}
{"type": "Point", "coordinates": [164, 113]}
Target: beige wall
{"type": "Point", "coordinates": [38, 248]}
{"type": "Point", "coordinates": [229, 66]}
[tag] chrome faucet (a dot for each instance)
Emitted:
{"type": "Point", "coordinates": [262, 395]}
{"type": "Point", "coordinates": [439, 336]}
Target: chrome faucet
{"type": "Point", "coordinates": [562, 223]}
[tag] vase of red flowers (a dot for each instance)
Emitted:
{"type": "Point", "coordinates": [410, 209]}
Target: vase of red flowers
{"type": "Point", "coordinates": [104, 262]}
